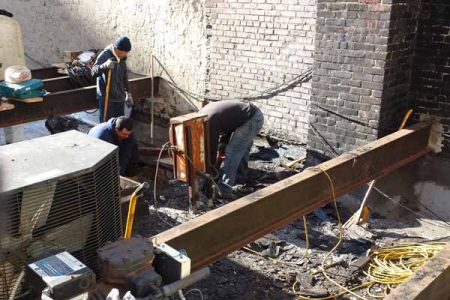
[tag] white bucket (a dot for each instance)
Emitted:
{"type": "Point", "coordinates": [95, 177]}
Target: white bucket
{"type": "Point", "coordinates": [17, 74]}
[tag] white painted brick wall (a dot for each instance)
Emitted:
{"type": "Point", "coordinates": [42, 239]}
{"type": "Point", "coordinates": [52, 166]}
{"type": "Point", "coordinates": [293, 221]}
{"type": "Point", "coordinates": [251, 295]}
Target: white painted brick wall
{"type": "Point", "coordinates": [260, 44]}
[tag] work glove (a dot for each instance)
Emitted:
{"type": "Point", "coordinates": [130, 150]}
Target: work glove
{"type": "Point", "coordinates": [129, 100]}
{"type": "Point", "coordinates": [109, 64]}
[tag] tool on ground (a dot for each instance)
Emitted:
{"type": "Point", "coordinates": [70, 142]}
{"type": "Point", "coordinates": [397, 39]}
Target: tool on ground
{"type": "Point", "coordinates": [59, 276]}
{"type": "Point", "coordinates": [108, 85]}
{"type": "Point", "coordinates": [130, 218]}
{"type": "Point", "coordinates": [362, 215]}
{"type": "Point", "coordinates": [24, 90]}
{"type": "Point", "coordinates": [295, 162]}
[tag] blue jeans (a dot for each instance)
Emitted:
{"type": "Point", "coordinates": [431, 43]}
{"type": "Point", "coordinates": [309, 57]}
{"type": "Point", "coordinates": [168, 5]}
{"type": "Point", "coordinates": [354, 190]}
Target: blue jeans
{"type": "Point", "coordinates": [238, 150]}
{"type": "Point", "coordinates": [115, 109]}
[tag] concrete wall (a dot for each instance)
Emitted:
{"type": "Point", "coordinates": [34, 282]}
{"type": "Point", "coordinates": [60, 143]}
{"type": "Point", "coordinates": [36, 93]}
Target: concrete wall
{"type": "Point", "coordinates": [256, 45]}
{"type": "Point", "coordinates": [173, 30]}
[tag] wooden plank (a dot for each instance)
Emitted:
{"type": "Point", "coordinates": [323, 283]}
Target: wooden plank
{"type": "Point", "coordinates": [28, 100]}
{"type": "Point", "coordinates": [6, 106]}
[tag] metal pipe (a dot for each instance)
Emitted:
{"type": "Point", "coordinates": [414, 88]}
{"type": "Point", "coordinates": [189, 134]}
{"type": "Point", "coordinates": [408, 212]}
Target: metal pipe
{"type": "Point", "coordinates": [172, 288]}
{"type": "Point", "coordinates": [180, 295]}
{"type": "Point", "coordinates": [151, 97]}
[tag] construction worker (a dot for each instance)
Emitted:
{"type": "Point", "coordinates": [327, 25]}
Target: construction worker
{"type": "Point", "coordinates": [241, 120]}
{"type": "Point", "coordinates": [113, 58]}
{"type": "Point", "coordinates": [118, 131]}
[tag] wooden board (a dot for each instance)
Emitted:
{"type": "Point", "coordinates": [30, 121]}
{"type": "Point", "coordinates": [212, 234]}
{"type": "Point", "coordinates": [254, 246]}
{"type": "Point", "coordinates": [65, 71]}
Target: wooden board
{"type": "Point", "coordinates": [28, 100]}
{"type": "Point", "coordinates": [6, 106]}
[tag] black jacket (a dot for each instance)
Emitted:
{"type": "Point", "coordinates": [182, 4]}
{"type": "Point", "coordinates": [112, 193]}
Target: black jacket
{"type": "Point", "coordinates": [224, 117]}
{"type": "Point", "coordinates": [119, 77]}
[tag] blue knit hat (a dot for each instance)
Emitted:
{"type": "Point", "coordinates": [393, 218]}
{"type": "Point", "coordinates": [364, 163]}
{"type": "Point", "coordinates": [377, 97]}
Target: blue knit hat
{"type": "Point", "coordinates": [123, 43]}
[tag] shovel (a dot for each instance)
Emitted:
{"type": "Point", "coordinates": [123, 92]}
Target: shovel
{"type": "Point", "coordinates": [362, 215]}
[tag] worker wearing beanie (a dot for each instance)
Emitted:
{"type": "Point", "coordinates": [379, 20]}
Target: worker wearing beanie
{"type": "Point", "coordinates": [113, 58]}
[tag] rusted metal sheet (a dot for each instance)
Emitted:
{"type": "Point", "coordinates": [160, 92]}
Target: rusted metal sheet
{"type": "Point", "coordinates": [429, 282]}
{"type": "Point", "coordinates": [66, 102]}
{"type": "Point", "coordinates": [187, 132]}
{"type": "Point", "coordinates": [219, 232]}
{"type": "Point", "coordinates": [43, 73]}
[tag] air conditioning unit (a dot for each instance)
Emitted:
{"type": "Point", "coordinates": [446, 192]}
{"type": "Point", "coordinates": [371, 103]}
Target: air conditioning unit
{"type": "Point", "coordinates": [57, 193]}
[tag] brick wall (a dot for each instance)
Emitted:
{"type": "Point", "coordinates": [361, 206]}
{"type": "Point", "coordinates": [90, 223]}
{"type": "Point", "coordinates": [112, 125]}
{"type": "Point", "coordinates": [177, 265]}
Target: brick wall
{"type": "Point", "coordinates": [401, 37]}
{"type": "Point", "coordinates": [350, 56]}
{"type": "Point", "coordinates": [256, 45]}
{"type": "Point", "coordinates": [431, 80]}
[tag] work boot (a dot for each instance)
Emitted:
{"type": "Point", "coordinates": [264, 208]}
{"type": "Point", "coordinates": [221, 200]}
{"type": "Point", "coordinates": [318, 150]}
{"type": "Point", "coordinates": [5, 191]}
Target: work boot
{"type": "Point", "coordinates": [243, 189]}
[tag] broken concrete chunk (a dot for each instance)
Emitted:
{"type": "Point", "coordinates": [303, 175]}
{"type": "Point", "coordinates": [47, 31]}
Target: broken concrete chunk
{"type": "Point", "coordinates": [314, 292]}
{"type": "Point", "coordinates": [306, 280]}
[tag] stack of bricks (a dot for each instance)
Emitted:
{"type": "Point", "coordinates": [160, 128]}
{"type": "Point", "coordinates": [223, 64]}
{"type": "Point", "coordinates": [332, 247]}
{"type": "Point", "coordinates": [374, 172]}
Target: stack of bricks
{"type": "Point", "coordinates": [256, 45]}
{"type": "Point", "coordinates": [431, 77]}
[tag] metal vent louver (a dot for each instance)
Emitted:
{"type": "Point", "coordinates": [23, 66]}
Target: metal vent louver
{"type": "Point", "coordinates": [60, 192]}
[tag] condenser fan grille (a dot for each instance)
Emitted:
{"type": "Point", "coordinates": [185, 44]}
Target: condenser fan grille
{"type": "Point", "coordinates": [77, 213]}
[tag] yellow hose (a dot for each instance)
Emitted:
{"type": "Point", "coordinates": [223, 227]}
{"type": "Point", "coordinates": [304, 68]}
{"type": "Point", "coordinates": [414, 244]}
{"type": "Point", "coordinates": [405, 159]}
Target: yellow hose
{"type": "Point", "coordinates": [405, 119]}
{"type": "Point", "coordinates": [132, 208]}
{"type": "Point", "coordinates": [130, 216]}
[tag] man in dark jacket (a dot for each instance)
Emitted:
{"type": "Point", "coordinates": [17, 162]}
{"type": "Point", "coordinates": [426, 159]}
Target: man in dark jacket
{"type": "Point", "coordinates": [118, 131]}
{"type": "Point", "coordinates": [241, 120]}
{"type": "Point", "coordinates": [113, 58]}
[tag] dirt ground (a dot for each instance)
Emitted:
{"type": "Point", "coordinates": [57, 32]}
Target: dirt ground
{"type": "Point", "coordinates": [247, 274]}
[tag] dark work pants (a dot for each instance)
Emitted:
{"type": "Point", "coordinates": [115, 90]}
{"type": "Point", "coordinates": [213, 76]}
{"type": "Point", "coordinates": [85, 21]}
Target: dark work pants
{"type": "Point", "coordinates": [132, 167]}
{"type": "Point", "coordinates": [115, 109]}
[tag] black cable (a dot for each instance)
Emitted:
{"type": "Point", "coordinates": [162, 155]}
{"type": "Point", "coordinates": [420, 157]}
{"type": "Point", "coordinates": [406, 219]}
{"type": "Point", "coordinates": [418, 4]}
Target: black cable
{"type": "Point", "coordinates": [91, 112]}
{"type": "Point", "coordinates": [325, 142]}
{"type": "Point", "coordinates": [342, 116]}
{"type": "Point", "coordinates": [266, 94]}
{"type": "Point", "coordinates": [36, 61]}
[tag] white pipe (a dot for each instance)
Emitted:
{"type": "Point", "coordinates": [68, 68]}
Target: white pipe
{"type": "Point", "coordinates": [152, 99]}
{"type": "Point", "coordinates": [172, 288]}
{"type": "Point", "coordinates": [180, 295]}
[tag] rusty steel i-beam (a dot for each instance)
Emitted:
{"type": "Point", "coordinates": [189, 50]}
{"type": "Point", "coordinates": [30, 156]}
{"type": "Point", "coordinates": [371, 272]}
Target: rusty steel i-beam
{"type": "Point", "coordinates": [64, 101]}
{"type": "Point", "coordinates": [226, 229]}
